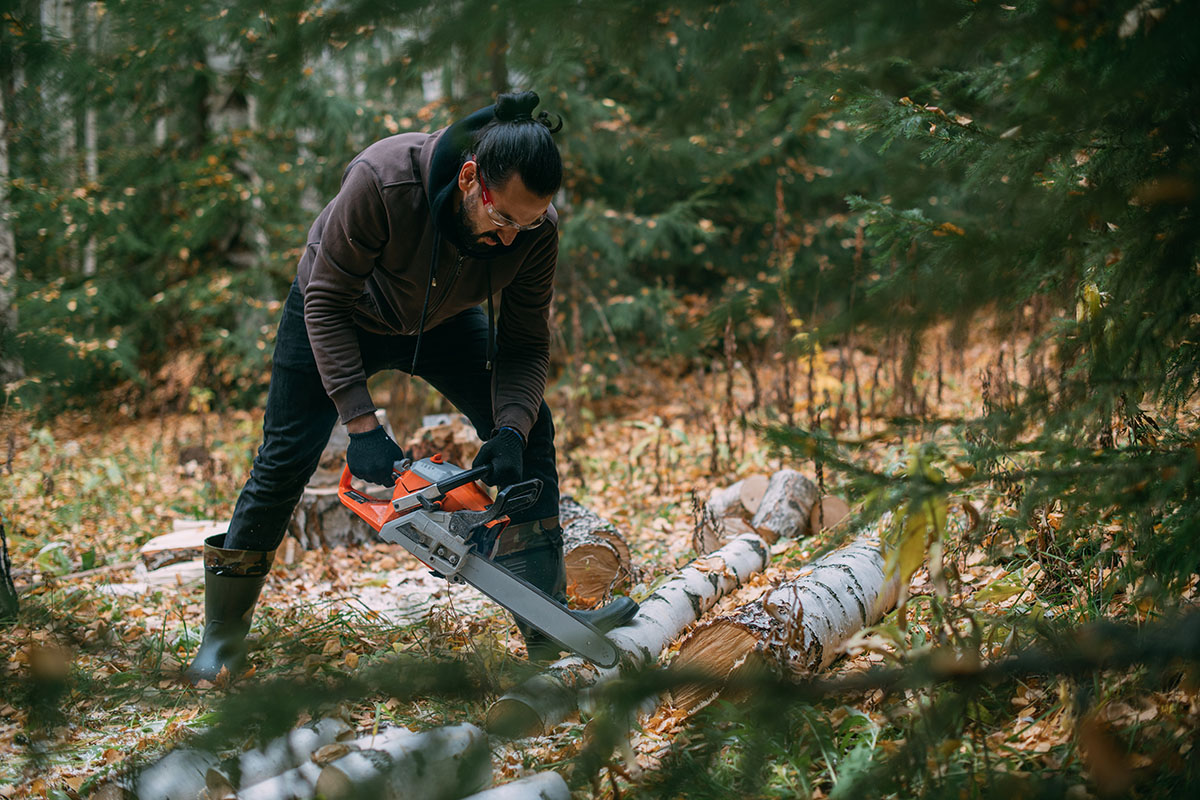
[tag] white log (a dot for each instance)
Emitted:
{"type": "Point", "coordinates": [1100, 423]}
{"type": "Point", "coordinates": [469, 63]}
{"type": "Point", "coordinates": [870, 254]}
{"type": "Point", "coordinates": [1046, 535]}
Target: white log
{"type": "Point", "coordinates": [179, 775]}
{"type": "Point", "coordinates": [444, 762]}
{"type": "Point", "coordinates": [796, 627]}
{"type": "Point", "coordinates": [542, 786]}
{"type": "Point", "coordinates": [726, 501]}
{"type": "Point", "coordinates": [276, 757]}
{"type": "Point", "coordinates": [298, 783]}
{"type": "Point", "coordinates": [548, 698]}
{"type": "Point", "coordinates": [784, 510]}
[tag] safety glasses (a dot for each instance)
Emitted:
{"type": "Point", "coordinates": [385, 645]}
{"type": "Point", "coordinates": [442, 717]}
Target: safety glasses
{"type": "Point", "coordinates": [499, 219]}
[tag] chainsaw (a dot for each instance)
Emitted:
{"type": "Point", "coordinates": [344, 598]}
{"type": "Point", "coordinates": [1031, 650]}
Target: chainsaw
{"type": "Point", "coordinates": [443, 517]}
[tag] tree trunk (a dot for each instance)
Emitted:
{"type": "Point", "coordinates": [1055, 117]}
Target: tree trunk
{"type": "Point", "coordinates": [794, 628]}
{"type": "Point", "coordinates": [11, 368]}
{"type": "Point", "coordinates": [597, 556]}
{"type": "Point", "coordinates": [444, 762]}
{"type": "Point", "coordinates": [545, 700]}
{"type": "Point", "coordinates": [541, 786]}
{"type": "Point", "coordinates": [87, 23]}
{"type": "Point", "coordinates": [9, 605]}
{"type": "Point", "coordinates": [783, 513]}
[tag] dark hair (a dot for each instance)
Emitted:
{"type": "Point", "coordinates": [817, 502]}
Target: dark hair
{"type": "Point", "coordinates": [517, 142]}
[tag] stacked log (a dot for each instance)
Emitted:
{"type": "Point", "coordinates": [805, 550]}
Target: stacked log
{"type": "Point", "coordinates": [548, 698]}
{"type": "Point", "coordinates": [784, 509]}
{"type": "Point", "coordinates": [597, 556]}
{"type": "Point", "coordinates": [448, 434]}
{"type": "Point", "coordinates": [796, 627]}
{"type": "Point", "coordinates": [728, 513]}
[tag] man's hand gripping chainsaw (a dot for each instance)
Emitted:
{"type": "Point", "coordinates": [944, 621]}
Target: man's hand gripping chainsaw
{"type": "Point", "coordinates": [440, 515]}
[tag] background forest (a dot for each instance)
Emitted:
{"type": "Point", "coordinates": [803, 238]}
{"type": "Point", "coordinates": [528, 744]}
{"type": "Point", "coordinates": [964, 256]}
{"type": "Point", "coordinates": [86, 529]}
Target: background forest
{"type": "Point", "coordinates": [946, 249]}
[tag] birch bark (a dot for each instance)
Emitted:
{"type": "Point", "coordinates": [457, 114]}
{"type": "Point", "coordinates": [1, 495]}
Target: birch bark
{"type": "Point", "coordinates": [796, 627]}
{"type": "Point", "coordinates": [547, 699]}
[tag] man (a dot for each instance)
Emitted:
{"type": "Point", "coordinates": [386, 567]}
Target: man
{"type": "Point", "coordinates": [425, 228]}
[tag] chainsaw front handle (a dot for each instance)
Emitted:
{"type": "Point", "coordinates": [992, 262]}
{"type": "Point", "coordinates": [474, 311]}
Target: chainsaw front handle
{"type": "Point", "coordinates": [374, 511]}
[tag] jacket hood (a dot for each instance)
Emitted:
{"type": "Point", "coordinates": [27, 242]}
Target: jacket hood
{"type": "Point", "coordinates": [449, 154]}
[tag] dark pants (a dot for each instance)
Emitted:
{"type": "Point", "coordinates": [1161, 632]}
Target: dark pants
{"type": "Point", "coordinates": [300, 416]}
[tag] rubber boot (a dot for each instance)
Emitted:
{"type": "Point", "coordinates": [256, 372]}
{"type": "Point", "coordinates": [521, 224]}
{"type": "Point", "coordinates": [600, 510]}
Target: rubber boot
{"type": "Point", "coordinates": [233, 580]}
{"type": "Point", "coordinates": [542, 565]}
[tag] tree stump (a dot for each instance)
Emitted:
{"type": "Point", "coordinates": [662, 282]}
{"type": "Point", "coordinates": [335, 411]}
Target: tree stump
{"type": "Point", "coordinates": [320, 520]}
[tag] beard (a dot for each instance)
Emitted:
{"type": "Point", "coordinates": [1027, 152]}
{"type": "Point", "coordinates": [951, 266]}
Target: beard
{"type": "Point", "coordinates": [464, 229]}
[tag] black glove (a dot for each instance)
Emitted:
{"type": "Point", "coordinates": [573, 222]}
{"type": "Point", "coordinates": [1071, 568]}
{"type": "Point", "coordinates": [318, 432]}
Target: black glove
{"type": "Point", "coordinates": [504, 453]}
{"type": "Point", "coordinates": [371, 455]}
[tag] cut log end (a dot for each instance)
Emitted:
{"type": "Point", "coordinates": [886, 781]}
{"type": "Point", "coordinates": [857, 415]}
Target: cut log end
{"type": "Point", "coordinates": [827, 513]}
{"type": "Point", "coordinates": [509, 718]}
{"type": "Point", "coordinates": [593, 570]}
{"type": "Point", "coordinates": [721, 649]}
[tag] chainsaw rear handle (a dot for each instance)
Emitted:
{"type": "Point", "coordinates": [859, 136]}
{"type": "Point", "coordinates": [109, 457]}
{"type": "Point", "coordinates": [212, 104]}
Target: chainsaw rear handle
{"type": "Point", "coordinates": [463, 478]}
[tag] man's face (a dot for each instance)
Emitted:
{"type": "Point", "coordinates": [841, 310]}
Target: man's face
{"type": "Point", "coordinates": [511, 201]}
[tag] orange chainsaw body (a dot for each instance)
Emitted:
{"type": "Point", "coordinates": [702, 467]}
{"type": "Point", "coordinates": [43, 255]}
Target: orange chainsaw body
{"type": "Point", "coordinates": [377, 513]}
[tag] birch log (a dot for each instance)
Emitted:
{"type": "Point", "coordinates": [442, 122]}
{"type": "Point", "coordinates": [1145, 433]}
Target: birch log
{"type": "Point", "coordinates": [546, 699]}
{"type": "Point", "coordinates": [794, 628]}
{"type": "Point", "coordinates": [179, 775]}
{"type": "Point", "coordinates": [728, 512]}
{"type": "Point", "coordinates": [542, 786]}
{"type": "Point", "coordinates": [783, 513]}
{"type": "Point", "coordinates": [278, 756]}
{"type": "Point", "coordinates": [442, 763]}
{"type": "Point", "coordinates": [298, 783]}
{"type": "Point", "coordinates": [596, 555]}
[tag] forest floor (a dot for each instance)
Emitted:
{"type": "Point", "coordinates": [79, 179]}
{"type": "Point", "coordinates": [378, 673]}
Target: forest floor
{"type": "Point", "coordinates": [80, 494]}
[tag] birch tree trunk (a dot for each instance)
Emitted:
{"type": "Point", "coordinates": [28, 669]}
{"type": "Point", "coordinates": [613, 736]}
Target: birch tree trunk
{"type": "Point", "coordinates": [546, 699]}
{"type": "Point", "coordinates": [432, 765]}
{"type": "Point", "coordinates": [796, 627]}
{"type": "Point", "coordinates": [89, 24]}
{"type": "Point", "coordinates": [11, 368]}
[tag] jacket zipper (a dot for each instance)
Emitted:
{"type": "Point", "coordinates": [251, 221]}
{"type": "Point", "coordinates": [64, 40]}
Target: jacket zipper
{"type": "Point", "coordinates": [441, 299]}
